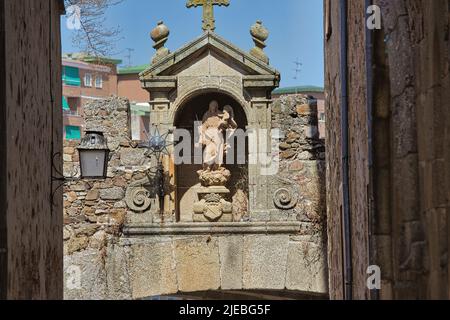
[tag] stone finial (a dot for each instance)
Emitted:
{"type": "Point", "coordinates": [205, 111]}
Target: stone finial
{"type": "Point", "coordinates": [160, 35]}
{"type": "Point", "coordinates": [259, 34]}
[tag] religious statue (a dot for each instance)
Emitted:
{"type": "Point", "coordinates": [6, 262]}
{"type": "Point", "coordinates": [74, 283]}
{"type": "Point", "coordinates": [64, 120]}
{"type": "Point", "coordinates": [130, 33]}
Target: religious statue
{"type": "Point", "coordinates": [215, 126]}
{"type": "Point", "coordinates": [216, 130]}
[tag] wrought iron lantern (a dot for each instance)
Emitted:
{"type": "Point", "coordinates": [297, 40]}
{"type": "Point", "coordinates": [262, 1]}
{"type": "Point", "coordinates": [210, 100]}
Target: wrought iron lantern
{"type": "Point", "coordinates": [94, 155]}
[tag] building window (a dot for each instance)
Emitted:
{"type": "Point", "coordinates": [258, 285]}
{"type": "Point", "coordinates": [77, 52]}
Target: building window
{"type": "Point", "coordinates": [65, 104]}
{"type": "Point", "coordinates": [71, 106]}
{"type": "Point", "coordinates": [322, 117]}
{"type": "Point", "coordinates": [88, 80]}
{"type": "Point", "coordinates": [140, 121]}
{"type": "Point", "coordinates": [99, 82]}
{"type": "Point", "coordinates": [73, 133]}
{"type": "Point", "coordinates": [71, 76]}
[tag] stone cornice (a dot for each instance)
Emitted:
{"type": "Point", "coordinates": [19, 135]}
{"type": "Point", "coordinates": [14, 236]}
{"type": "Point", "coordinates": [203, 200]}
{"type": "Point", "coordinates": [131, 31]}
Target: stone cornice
{"type": "Point", "coordinates": [261, 81]}
{"type": "Point", "coordinates": [159, 83]}
{"type": "Point", "coordinates": [247, 61]}
{"type": "Point", "coordinates": [175, 229]}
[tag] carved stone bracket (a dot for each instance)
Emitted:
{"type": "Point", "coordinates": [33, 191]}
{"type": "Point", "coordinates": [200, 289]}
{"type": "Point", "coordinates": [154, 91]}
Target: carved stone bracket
{"type": "Point", "coordinates": [285, 199]}
{"type": "Point", "coordinates": [139, 195]}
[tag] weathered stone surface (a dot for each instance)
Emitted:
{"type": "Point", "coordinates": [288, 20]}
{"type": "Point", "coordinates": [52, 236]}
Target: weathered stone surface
{"type": "Point", "coordinates": [84, 276]}
{"type": "Point", "coordinates": [78, 187]}
{"type": "Point", "coordinates": [198, 267]}
{"type": "Point", "coordinates": [285, 146]}
{"type": "Point", "coordinates": [87, 230]}
{"type": "Point", "coordinates": [118, 275]}
{"type": "Point", "coordinates": [71, 196]}
{"type": "Point", "coordinates": [115, 193]}
{"type": "Point", "coordinates": [307, 109]}
{"type": "Point", "coordinates": [69, 150]}
{"type": "Point", "coordinates": [67, 158]}
{"type": "Point", "coordinates": [121, 182]}
{"type": "Point", "coordinates": [288, 154]}
{"type": "Point", "coordinates": [73, 212]}
{"type": "Point", "coordinates": [100, 212]}
{"type": "Point", "coordinates": [231, 262]}
{"type": "Point", "coordinates": [265, 261]}
{"type": "Point", "coordinates": [306, 268]}
{"type": "Point", "coordinates": [259, 34]}
{"type": "Point", "coordinates": [132, 157]}
{"type": "Point", "coordinates": [92, 195]}
{"type": "Point", "coordinates": [77, 244]}
{"type": "Point", "coordinates": [306, 155]}
{"type": "Point", "coordinates": [153, 270]}
{"type": "Point", "coordinates": [293, 136]}
{"type": "Point", "coordinates": [120, 205]}
{"type": "Point", "coordinates": [411, 127]}
{"type": "Point", "coordinates": [240, 205]}
{"type": "Point", "coordinates": [296, 166]}
{"type": "Point", "coordinates": [66, 234]}
{"type": "Point", "coordinates": [98, 240]}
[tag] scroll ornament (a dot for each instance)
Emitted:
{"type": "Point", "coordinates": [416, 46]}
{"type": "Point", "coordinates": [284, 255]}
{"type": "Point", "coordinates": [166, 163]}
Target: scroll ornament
{"type": "Point", "coordinates": [285, 199]}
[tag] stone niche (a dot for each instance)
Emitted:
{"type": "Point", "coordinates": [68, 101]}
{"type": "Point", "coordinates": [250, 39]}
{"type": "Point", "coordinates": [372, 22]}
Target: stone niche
{"type": "Point", "coordinates": [182, 85]}
{"type": "Point", "coordinates": [272, 235]}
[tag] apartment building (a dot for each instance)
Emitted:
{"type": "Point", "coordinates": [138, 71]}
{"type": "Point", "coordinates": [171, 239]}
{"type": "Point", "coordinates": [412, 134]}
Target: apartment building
{"type": "Point", "coordinates": [129, 86]}
{"type": "Point", "coordinates": [85, 79]}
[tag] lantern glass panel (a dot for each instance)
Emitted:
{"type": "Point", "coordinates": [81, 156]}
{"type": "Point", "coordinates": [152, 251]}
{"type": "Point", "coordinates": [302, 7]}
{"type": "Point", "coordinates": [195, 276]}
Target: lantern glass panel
{"type": "Point", "coordinates": [93, 163]}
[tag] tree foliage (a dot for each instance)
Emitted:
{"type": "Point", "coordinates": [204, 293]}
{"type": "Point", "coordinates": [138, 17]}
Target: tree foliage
{"type": "Point", "coordinates": [92, 36]}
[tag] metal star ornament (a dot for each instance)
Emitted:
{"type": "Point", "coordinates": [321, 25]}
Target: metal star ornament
{"type": "Point", "coordinates": [157, 144]}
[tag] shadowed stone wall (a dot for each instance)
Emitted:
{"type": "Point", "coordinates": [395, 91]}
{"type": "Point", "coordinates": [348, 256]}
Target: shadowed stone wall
{"type": "Point", "coordinates": [400, 205]}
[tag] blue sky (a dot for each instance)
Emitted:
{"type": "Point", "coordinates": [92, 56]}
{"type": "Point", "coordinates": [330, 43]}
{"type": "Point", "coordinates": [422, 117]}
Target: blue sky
{"type": "Point", "coordinates": [296, 31]}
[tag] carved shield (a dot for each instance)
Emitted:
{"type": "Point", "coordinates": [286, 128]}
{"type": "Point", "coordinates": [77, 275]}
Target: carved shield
{"type": "Point", "coordinates": [213, 211]}
{"type": "Point", "coordinates": [213, 207]}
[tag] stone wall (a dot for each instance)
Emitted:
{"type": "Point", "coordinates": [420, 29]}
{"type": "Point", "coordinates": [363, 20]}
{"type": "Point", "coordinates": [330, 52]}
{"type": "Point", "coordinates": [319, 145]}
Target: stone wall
{"type": "Point", "coordinates": [302, 155]}
{"type": "Point", "coordinates": [30, 134]}
{"type": "Point", "coordinates": [95, 211]}
{"type": "Point", "coordinates": [398, 203]}
{"type": "Point", "coordinates": [122, 254]}
{"type": "Point", "coordinates": [418, 62]}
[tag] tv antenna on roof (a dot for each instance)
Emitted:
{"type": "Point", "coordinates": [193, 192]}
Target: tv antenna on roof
{"type": "Point", "coordinates": [128, 56]}
{"type": "Point", "coordinates": [297, 69]}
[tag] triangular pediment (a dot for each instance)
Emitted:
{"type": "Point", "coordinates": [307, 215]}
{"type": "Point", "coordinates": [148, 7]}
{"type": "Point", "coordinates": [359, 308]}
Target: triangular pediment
{"type": "Point", "coordinates": [208, 43]}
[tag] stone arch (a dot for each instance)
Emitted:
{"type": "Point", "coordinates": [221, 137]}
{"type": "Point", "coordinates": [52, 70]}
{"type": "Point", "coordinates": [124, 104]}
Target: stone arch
{"type": "Point", "coordinates": [181, 101]}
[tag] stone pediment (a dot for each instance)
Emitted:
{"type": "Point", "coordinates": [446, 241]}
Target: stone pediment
{"type": "Point", "coordinates": [249, 67]}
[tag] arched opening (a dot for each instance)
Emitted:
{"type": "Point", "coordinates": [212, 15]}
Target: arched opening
{"type": "Point", "coordinates": [186, 177]}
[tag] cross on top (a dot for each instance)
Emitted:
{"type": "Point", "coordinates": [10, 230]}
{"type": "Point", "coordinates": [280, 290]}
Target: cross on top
{"type": "Point", "coordinates": [208, 11]}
